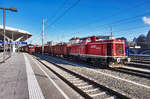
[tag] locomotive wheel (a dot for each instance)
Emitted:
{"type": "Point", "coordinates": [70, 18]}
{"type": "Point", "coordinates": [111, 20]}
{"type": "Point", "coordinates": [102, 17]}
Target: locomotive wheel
{"type": "Point", "coordinates": [88, 60]}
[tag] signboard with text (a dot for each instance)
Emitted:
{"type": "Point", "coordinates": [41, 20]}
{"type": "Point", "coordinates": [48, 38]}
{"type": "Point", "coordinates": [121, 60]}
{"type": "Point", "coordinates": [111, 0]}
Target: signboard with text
{"type": "Point", "coordinates": [21, 43]}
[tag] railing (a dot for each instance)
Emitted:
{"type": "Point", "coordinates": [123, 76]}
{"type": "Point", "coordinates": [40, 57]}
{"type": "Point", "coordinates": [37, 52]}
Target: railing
{"type": "Point", "coordinates": [140, 58]}
{"type": "Point", "coordinates": [140, 55]}
{"type": "Point", "coordinates": [1, 54]}
{"type": "Point", "coordinates": [7, 55]}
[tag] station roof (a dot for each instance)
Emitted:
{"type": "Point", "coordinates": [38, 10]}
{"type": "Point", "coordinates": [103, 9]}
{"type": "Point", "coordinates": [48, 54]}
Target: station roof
{"type": "Point", "coordinates": [18, 35]}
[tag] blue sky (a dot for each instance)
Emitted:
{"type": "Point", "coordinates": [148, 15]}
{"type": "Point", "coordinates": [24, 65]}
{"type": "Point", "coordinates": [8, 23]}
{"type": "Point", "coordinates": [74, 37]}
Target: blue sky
{"type": "Point", "coordinates": [128, 18]}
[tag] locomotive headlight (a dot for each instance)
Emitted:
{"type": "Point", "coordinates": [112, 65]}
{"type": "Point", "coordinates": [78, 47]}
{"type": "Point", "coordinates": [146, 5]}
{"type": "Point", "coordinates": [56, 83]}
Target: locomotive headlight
{"type": "Point", "coordinates": [118, 60]}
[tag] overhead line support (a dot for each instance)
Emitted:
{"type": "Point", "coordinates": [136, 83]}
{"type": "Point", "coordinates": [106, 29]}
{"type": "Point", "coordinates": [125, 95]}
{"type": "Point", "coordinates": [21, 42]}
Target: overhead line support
{"type": "Point", "coordinates": [43, 37]}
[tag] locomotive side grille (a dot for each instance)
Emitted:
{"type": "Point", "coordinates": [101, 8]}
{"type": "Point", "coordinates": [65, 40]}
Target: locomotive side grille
{"type": "Point", "coordinates": [119, 49]}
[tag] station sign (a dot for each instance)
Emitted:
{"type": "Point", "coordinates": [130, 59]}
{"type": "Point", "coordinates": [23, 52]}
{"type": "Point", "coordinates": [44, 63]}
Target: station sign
{"type": "Point", "coordinates": [1, 42]}
{"type": "Point", "coordinates": [21, 43]}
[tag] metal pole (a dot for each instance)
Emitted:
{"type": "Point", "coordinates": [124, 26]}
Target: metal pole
{"type": "Point", "coordinates": [27, 39]}
{"type": "Point", "coordinates": [4, 33]}
{"type": "Point", "coordinates": [111, 32]}
{"type": "Point", "coordinates": [12, 42]}
{"type": "Point", "coordinates": [43, 37]}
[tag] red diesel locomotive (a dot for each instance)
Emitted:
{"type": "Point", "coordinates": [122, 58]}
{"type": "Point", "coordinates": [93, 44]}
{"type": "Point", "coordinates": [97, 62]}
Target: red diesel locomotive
{"type": "Point", "coordinates": [110, 52]}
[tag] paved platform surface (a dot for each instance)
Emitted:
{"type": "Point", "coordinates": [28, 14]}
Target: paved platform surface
{"type": "Point", "coordinates": [23, 77]}
{"type": "Point", "coordinates": [7, 55]}
{"type": "Point", "coordinates": [13, 79]}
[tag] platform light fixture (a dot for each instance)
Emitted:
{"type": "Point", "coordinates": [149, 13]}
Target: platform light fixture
{"type": "Point", "coordinates": [4, 22]}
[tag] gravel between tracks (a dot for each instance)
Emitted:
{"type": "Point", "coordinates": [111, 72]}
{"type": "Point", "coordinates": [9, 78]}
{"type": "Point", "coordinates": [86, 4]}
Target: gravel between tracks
{"type": "Point", "coordinates": [132, 90]}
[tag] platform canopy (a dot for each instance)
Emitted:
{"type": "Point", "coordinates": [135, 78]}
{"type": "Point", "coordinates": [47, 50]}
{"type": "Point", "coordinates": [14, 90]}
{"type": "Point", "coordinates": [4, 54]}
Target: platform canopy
{"type": "Point", "coordinates": [14, 34]}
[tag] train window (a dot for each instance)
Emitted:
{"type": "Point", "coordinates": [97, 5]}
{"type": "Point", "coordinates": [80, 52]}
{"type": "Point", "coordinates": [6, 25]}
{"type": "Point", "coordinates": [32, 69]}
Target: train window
{"type": "Point", "coordinates": [31, 46]}
{"type": "Point", "coordinates": [81, 41]}
{"type": "Point", "coordinates": [74, 41]}
{"type": "Point", "coordinates": [89, 40]}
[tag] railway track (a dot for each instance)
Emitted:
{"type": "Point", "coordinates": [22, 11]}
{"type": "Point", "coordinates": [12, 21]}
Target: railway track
{"type": "Point", "coordinates": [140, 69]}
{"type": "Point", "coordinates": [136, 69]}
{"type": "Point", "coordinates": [138, 59]}
{"type": "Point", "coordinates": [87, 87]}
{"type": "Point", "coordinates": [139, 64]}
{"type": "Point", "coordinates": [132, 68]}
{"type": "Point", "coordinates": [133, 79]}
{"type": "Point", "coordinates": [143, 63]}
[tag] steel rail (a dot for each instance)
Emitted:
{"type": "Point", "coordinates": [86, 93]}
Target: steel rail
{"type": "Point", "coordinates": [83, 77]}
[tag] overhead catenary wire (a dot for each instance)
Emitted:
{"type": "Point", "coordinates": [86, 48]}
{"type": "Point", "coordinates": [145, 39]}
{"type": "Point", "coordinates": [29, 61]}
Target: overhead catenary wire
{"type": "Point", "coordinates": [66, 11]}
{"type": "Point", "coordinates": [132, 28]}
{"type": "Point", "coordinates": [126, 19]}
{"type": "Point", "coordinates": [58, 10]}
{"type": "Point", "coordinates": [129, 19]}
{"type": "Point", "coordinates": [115, 14]}
{"type": "Point", "coordinates": [60, 16]}
{"type": "Point", "coordinates": [123, 31]}
{"type": "Point", "coordinates": [116, 22]}
{"type": "Point", "coordinates": [112, 23]}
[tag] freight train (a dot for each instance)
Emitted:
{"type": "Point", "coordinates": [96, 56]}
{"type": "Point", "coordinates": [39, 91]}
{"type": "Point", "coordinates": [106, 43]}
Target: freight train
{"type": "Point", "coordinates": [110, 52]}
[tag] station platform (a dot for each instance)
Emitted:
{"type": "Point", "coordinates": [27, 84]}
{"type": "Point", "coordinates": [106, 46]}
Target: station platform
{"type": "Point", "coordinates": [23, 77]}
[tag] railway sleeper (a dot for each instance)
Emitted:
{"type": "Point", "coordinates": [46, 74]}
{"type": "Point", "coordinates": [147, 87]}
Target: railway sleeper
{"type": "Point", "coordinates": [93, 91]}
{"type": "Point", "coordinates": [101, 95]}
{"type": "Point", "coordinates": [112, 97]}
{"type": "Point", "coordinates": [86, 87]}
{"type": "Point", "coordinates": [81, 84]}
{"type": "Point", "coordinates": [97, 94]}
{"type": "Point", "coordinates": [73, 79]}
{"type": "Point", "coordinates": [77, 81]}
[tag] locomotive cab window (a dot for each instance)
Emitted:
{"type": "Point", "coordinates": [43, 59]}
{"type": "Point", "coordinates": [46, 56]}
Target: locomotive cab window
{"type": "Point", "coordinates": [82, 41]}
{"type": "Point", "coordinates": [30, 46]}
{"type": "Point", "coordinates": [89, 40]}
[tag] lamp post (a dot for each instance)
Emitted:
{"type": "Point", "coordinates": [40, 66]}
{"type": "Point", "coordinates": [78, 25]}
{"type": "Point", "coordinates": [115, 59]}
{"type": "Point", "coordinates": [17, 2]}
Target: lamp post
{"type": "Point", "coordinates": [4, 16]}
{"type": "Point", "coordinates": [43, 37]}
